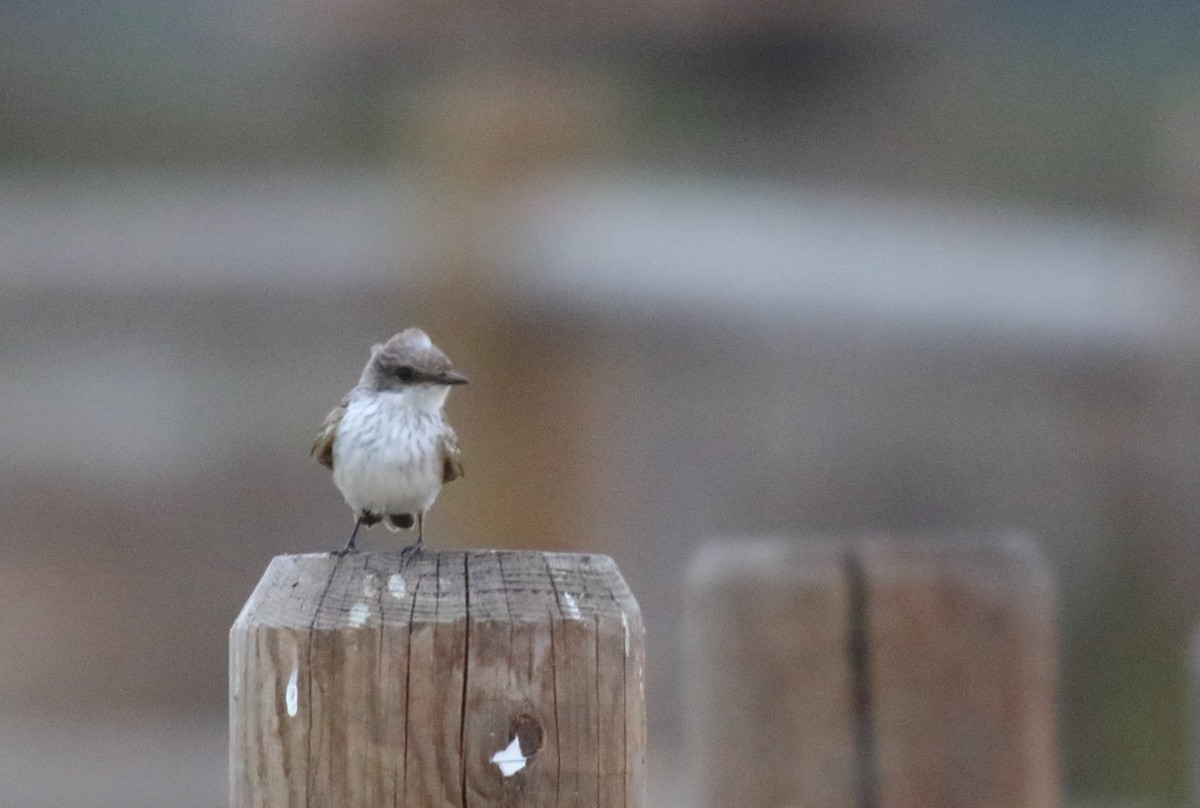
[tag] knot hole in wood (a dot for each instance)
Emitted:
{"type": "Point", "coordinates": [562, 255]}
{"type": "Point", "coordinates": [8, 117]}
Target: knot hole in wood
{"type": "Point", "coordinates": [528, 732]}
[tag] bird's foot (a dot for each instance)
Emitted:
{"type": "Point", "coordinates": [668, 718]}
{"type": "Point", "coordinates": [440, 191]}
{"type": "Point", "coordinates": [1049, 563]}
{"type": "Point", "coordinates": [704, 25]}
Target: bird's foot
{"type": "Point", "coordinates": [350, 547]}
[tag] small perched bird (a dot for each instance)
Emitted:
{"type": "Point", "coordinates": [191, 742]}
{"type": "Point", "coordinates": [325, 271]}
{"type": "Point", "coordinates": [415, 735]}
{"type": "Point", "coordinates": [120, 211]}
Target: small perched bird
{"type": "Point", "coordinates": [388, 443]}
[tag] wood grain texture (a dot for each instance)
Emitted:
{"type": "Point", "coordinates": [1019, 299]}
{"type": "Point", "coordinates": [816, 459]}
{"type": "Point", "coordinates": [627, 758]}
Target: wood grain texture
{"type": "Point", "coordinates": [408, 674]}
{"type": "Point", "coordinates": [874, 672]}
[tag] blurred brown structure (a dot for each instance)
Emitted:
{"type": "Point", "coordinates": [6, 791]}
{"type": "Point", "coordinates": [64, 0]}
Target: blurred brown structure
{"type": "Point", "coordinates": [875, 671]}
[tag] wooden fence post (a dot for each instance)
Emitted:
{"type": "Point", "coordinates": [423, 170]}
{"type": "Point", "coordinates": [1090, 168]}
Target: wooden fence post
{"type": "Point", "coordinates": [440, 679]}
{"type": "Point", "coordinates": [873, 673]}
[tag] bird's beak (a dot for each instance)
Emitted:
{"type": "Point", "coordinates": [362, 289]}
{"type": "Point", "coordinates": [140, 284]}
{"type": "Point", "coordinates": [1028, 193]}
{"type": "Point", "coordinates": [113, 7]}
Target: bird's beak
{"type": "Point", "coordinates": [451, 377]}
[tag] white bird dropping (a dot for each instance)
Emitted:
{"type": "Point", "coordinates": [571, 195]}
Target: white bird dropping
{"type": "Point", "coordinates": [510, 760]}
{"type": "Point", "coordinates": [291, 696]}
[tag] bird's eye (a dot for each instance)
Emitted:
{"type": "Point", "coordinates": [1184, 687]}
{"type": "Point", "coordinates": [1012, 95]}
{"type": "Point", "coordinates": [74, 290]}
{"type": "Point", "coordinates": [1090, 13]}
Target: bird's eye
{"type": "Point", "coordinates": [405, 373]}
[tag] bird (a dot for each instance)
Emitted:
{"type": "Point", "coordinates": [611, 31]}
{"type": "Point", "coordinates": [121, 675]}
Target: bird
{"type": "Point", "coordinates": [387, 443]}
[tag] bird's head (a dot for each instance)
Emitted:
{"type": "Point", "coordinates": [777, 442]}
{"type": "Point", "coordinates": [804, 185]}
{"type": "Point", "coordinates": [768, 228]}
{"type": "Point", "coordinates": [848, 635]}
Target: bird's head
{"type": "Point", "coordinates": [410, 362]}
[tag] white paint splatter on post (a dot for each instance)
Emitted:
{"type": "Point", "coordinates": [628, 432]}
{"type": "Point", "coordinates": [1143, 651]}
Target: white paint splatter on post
{"type": "Point", "coordinates": [359, 613]}
{"type": "Point", "coordinates": [397, 586]}
{"type": "Point", "coordinates": [291, 696]}
{"type": "Point", "coordinates": [509, 759]}
{"type": "Point", "coordinates": [573, 612]}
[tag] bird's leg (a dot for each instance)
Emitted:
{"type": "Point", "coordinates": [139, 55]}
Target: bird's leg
{"type": "Point", "coordinates": [350, 548]}
{"type": "Point", "coordinates": [415, 549]}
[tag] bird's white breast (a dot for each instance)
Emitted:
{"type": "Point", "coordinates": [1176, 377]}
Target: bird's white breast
{"type": "Point", "coordinates": [386, 457]}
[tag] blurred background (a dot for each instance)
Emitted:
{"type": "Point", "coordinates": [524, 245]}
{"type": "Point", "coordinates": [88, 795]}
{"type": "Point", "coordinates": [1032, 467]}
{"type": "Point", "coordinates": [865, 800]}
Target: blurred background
{"type": "Point", "coordinates": [714, 270]}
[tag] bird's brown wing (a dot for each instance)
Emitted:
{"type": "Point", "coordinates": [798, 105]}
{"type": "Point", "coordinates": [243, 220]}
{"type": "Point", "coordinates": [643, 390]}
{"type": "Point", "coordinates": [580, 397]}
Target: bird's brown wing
{"type": "Point", "coordinates": [322, 449]}
{"type": "Point", "coordinates": [452, 467]}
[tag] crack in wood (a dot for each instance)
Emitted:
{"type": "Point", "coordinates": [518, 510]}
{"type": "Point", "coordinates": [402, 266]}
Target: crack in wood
{"type": "Point", "coordinates": [462, 726]}
{"type": "Point", "coordinates": [858, 648]}
{"type": "Point", "coordinates": [310, 770]}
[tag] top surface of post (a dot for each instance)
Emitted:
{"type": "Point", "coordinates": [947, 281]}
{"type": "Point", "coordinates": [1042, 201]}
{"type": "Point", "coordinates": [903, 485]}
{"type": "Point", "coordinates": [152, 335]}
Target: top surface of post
{"type": "Point", "coordinates": [1013, 556]}
{"type": "Point", "coordinates": [327, 592]}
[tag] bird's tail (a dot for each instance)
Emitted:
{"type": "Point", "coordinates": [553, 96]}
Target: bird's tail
{"type": "Point", "coordinates": [400, 521]}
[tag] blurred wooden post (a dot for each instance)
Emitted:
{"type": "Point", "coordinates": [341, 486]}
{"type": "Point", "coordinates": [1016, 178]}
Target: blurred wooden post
{"type": "Point", "coordinates": [444, 679]}
{"type": "Point", "coordinates": [873, 673]}
{"type": "Point", "coordinates": [1193, 739]}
